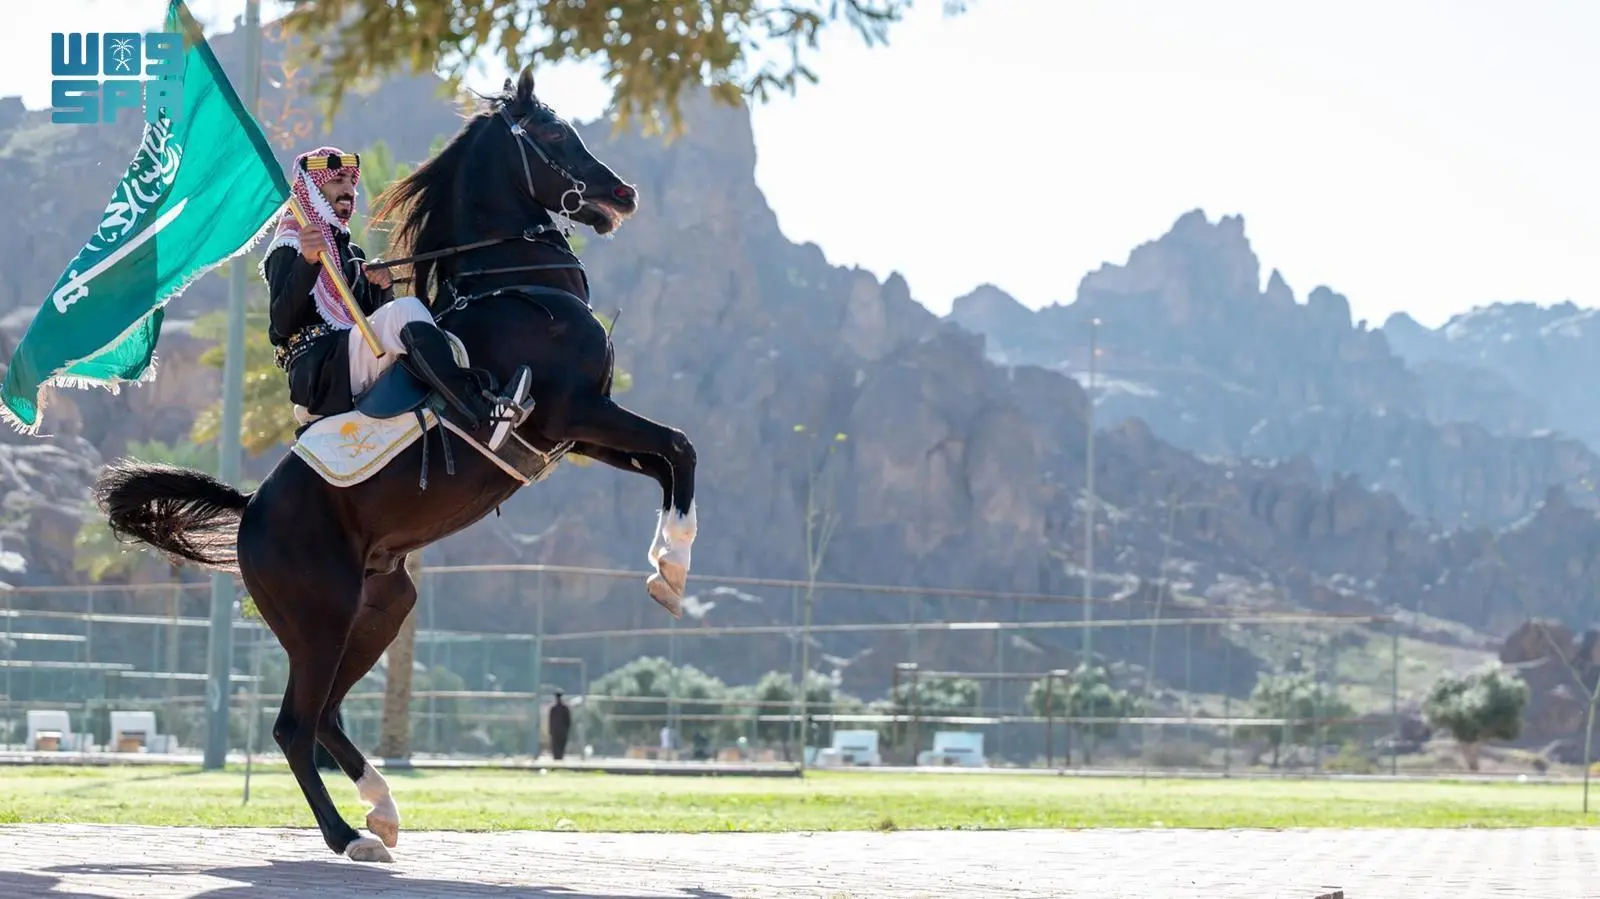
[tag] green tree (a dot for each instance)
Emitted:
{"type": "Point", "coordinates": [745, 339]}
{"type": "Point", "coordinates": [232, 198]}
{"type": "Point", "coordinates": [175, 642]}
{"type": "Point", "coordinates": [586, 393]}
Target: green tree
{"type": "Point", "coordinates": [1305, 704]}
{"type": "Point", "coordinates": [1087, 693]}
{"type": "Point", "coordinates": [632, 703]}
{"type": "Point", "coordinates": [651, 51]}
{"type": "Point", "coordinates": [1485, 704]}
{"type": "Point", "coordinates": [930, 697]}
{"type": "Point", "coordinates": [776, 693]}
{"type": "Point", "coordinates": [267, 421]}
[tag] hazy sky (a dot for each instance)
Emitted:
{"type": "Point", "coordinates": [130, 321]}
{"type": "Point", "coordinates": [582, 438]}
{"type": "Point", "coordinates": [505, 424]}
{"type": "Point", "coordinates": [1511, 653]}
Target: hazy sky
{"type": "Point", "coordinates": [1428, 155]}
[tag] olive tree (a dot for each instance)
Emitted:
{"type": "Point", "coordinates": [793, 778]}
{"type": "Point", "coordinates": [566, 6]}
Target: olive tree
{"type": "Point", "coordinates": [1485, 704]}
{"type": "Point", "coordinates": [650, 52]}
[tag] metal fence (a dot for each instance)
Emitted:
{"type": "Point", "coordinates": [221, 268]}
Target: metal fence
{"type": "Point", "coordinates": [1186, 681]}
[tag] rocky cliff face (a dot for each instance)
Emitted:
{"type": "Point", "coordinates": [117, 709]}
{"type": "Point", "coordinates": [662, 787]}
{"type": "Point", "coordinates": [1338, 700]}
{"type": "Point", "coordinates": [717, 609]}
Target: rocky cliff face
{"type": "Point", "coordinates": [1191, 343]}
{"type": "Point", "coordinates": [956, 471]}
{"type": "Point", "coordinates": [1561, 668]}
{"type": "Point", "coordinates": [1541, 357]}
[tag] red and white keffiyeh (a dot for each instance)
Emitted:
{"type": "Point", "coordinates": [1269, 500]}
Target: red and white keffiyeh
{"type": "Point", "coordinates": [307, 188]}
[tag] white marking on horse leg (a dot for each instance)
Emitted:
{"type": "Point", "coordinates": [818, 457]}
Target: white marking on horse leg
{"type": "Point", "coordinates": [670, 553]}
{"type": "Point", "coordinates": [680, 531]}
{"type": "Point", "coordinates": [658, 545]}
{"type": "Point", "coordinates": [680, 527]}
{"type": "Point", "coordinates": [367, 849]}
{"type": "Point", "coordinates": [384, 819]}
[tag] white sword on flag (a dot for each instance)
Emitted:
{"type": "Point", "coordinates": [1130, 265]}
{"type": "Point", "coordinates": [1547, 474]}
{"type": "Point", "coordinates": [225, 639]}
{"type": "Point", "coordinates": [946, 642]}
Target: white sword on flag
{"type": "Point", "coordinates": [349, 299]}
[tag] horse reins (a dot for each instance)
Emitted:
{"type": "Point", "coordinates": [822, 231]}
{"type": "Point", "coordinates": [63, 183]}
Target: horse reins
{"type": "Point", "coordinates": [531, 234]}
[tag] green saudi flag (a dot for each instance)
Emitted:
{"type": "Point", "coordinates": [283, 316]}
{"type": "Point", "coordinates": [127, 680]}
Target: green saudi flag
{"type": "Point", "coordinates": [198, 192]}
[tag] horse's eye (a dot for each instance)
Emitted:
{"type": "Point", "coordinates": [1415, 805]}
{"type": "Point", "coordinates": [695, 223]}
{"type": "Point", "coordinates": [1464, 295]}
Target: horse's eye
{"type": "Point", "coordinates": [553, 134]}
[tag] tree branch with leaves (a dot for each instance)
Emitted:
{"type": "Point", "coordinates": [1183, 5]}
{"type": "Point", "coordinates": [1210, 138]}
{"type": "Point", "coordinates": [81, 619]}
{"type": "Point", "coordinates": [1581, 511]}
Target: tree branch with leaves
{"type": "Point", "coordinates": [651, 52]}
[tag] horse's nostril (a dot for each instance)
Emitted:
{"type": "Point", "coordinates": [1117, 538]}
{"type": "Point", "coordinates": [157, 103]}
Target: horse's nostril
{"type": "Point", "coordinates": [622, 192]}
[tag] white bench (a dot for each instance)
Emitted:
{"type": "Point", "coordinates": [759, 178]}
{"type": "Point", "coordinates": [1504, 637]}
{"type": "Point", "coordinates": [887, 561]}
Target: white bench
{"type": "Point", "coordinates": [51, 730]}
{"type": "Point", "coordinates": [851, 747]}
{"type": "Point", "coordinates": [955, 749]}
{"type": "Point", "coordinates": [136, 732]}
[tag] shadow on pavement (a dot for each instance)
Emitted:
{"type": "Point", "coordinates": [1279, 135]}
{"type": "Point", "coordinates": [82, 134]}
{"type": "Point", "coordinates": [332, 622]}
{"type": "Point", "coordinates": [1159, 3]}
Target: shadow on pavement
{"type": "Point", "coordinates": [295, 879]}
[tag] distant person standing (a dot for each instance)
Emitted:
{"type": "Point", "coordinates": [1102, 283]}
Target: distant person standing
{"type": "Point", "coordinates": [560, 726]}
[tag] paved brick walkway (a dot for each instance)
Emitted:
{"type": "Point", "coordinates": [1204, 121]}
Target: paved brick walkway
{"type": "Point", "coordinates": [180, 863]}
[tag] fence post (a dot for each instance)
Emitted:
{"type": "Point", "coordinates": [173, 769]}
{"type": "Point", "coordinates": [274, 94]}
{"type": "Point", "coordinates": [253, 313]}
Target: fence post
{"type": "Point", "coordinates": [1050, 680]}
{"type": "Point", "coordinates": [538, 664]}
{"type": "Point", "coordinates": [1333, 692]}
{"type": "Point", "coordinates": [1188, 682]}
{"type": "Point", "coordinates": [916, 713]}
{"type": "Point", "coordinates": [1227, 703]}
{"type": "Point", "coordinates": [1394, 694]}
{"type": "Point", "coordinates": [1002, 710]}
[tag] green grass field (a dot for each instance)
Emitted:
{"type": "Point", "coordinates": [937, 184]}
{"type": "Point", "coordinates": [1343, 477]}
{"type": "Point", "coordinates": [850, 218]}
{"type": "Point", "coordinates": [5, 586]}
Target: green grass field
{"type": "Point", "coordinates": [527, 800]}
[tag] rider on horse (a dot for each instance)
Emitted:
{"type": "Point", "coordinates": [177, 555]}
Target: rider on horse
{"type": "Point", "coordinates": [317, 344]}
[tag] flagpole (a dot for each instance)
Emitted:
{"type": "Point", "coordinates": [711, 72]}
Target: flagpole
{"type": "Point", "coordinates": [219, 681]}
{"type": "Point", "coordinates": [339, 283]}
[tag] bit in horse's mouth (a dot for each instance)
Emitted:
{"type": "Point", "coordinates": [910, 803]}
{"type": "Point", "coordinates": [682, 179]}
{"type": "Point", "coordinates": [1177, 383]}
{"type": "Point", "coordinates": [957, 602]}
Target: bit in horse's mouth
{"type": "Point", "coordinates": [612, 215]}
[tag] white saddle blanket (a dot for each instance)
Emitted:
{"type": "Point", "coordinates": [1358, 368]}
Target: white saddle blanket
{"type": "Point", "coordinates": [349, 448]}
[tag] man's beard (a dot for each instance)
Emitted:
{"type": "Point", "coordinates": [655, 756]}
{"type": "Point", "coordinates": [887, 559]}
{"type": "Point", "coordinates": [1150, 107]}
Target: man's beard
{"type": "Point", "coordinates": [344, 213]}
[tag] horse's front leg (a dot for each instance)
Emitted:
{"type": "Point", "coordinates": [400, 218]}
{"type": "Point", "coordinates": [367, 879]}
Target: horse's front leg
{"type": "Point", "coordinates": [608, 433]}
{"type": "Point", "coordinates": [656, 468]}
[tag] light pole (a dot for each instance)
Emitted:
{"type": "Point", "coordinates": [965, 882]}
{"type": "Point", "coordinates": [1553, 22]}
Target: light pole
{"type": "Point", "coordinates": [819, 527]}
{"type": "Point", "coordinates": [220, 660]}
{"type": "Point", "coordinates": [1163, 587]}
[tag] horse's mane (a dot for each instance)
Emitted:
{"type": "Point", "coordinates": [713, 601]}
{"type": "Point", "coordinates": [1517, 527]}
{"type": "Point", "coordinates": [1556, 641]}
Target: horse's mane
{"type": "Point", "coordinates": [423, 204]}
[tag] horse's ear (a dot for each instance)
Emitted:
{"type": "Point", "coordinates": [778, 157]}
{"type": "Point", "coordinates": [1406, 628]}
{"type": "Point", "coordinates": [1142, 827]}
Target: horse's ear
{"type": "Point", "coordinates": [525, 84]}
{"type": "Point", "coordinates": [508, 87]}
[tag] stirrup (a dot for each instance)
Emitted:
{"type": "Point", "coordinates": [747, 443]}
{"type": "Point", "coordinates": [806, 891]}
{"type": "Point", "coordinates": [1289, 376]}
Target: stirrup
{"type": "Point", "coordinates": [508, 411]}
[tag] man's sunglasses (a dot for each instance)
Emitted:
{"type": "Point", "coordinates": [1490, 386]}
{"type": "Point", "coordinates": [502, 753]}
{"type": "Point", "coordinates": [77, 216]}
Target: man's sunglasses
{"type": "Point", "coordinates": [333, 162]}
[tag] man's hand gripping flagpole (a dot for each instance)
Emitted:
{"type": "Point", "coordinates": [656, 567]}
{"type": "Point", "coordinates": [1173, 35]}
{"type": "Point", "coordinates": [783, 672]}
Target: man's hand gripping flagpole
{"type": "Point", "coordinates": [348, 298]}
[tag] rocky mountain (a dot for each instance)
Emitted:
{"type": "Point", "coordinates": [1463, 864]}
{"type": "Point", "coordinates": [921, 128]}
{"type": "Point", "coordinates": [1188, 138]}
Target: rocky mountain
{"type": "Point", "coordinates": [956, 471]}
{"type": "Point", "coordinates": [1191, 343]}
{"type": "Point", "coordinates": [1540, 357]}
{"type": "Point", "coordinates": [1562, 670]}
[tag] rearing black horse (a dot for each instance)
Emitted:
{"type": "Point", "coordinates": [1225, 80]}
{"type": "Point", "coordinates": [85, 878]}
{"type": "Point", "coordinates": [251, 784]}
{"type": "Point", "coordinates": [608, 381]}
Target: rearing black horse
{"type": "Point", "coordinates": [323, 563]}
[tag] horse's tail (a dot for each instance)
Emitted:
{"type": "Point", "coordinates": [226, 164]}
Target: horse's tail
{"type": "Point", "coordinates": [186, 514]}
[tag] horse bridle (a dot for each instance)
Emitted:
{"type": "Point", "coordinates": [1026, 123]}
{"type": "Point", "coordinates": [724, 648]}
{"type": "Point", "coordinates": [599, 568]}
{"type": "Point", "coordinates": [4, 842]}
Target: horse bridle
{"type": "Point", "coordinates": [576, 186]}
{"type": "Point", "coordinates": [520, 135]}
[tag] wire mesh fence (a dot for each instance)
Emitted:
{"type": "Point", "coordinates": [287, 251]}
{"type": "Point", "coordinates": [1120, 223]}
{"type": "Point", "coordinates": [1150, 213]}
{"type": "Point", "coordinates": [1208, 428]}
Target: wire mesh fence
{"type": "Point", "coordinates": [898, 675]}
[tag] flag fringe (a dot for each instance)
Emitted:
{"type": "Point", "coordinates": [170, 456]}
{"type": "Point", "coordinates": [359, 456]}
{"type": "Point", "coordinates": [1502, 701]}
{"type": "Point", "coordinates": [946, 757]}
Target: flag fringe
{"type": "Point", "coordinates": [78, 382]}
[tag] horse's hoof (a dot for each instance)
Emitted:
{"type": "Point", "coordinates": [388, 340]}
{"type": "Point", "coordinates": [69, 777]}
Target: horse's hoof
{"type": "Point", "coordinates": [676, 574]}
{"type": "Point", "coordinates": [662, 592]}
{"type": "Point", "coordinates": [367, 849]}
{"type": "Point", "coordinates": [384, 829]}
